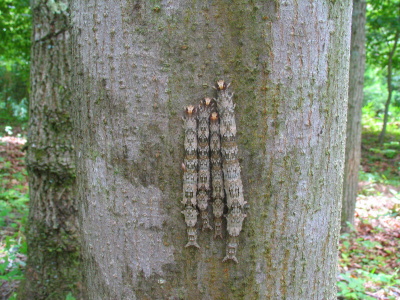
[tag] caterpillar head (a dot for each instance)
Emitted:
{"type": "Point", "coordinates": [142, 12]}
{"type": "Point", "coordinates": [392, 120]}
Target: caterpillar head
{"type": "Point", "coordinates": [221, 85]}
{"type": "Point", "coordinates": [190, 109]}
{"type": "Point", "coordinates": [214, 116]}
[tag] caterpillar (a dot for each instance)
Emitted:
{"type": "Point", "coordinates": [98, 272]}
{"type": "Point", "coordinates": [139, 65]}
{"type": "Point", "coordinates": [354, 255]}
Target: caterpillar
{"type": "Point", "coordinates": [231, 169]}
{"type": "Point", "coordinates": [190, 176]}
{"type": "Point", "coordinates": [203, 146]}
{"type": "Point", "coordinates": [217, 181]}
{"type": "Point", "coordinates": [211, 168]}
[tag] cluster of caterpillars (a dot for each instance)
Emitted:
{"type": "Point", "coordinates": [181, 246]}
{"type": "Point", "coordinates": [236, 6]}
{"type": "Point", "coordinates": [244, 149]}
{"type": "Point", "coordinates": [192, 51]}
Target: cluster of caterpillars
{"type": "Point", "coordinates": [211, 169]}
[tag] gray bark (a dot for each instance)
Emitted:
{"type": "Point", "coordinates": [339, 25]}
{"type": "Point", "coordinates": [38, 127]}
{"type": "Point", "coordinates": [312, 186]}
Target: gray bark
{"type": "Point", "coordinates": [52, 269]}
{"type": "Point", "coordinates": [137, 66]}
{"type": "Point", "coordinates": [353, 131]}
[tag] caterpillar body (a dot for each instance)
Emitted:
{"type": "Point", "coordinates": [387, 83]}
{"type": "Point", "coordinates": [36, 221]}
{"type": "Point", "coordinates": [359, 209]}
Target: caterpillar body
{"type": "Point", "coordinates": [203, 146]}
{"type": "Point", "coordinates": [231, 169]}
{"type": "Point", "coordinates": [211, 169]}
{"type": "Point", "coordinates": [190, 176]}
{"type": "Point", "coordinates": [217, 181]}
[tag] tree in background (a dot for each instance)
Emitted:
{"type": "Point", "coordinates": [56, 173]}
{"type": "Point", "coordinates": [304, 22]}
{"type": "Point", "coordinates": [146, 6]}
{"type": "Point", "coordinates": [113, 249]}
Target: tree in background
{"type": "Point", "coordinates": [52, 269]}
{"type": "Point", "coordinates": [353, 131]}
{"type": "Point", "coordinates": [383, 33]}
{"type": "Point", "coordinates": [15, 24]}
{"type": "Point", "coordinates": [136, 65]}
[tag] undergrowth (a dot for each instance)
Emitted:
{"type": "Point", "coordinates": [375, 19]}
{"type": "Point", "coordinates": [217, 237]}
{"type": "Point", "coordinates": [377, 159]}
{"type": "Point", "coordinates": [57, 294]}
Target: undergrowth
{"type": "Point", "coordinates": [369, 259]}
{"type": "Point", "coordinates": [380, 162]}
{"type": "Point", "coordinates": [13, 216]}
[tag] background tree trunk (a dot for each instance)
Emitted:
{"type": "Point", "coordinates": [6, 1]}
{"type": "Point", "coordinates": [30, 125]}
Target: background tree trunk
{"type": "Point", "coordinates": [53, 250]}
{"type": "Point", "coordinates": [356, 96]}
{"type": "Point", "coordinates": [137, 65]}
{"type": "Point", "coordinates": [389, 86]}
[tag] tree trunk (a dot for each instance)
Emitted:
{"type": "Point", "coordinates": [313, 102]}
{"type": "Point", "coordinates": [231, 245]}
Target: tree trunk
{"type": "Point", "coordinates": [53, 251]}
{"type": "Point", "coordinates": [389, 86]}
{"type": "Point", "coordinates": [353, 131]}
{"type": "Point", "coordinates": [138, 64]}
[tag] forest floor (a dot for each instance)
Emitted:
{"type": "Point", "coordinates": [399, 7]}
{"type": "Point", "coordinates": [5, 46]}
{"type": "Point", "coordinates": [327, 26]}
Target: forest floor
{"type": "Point", "coordinates": [369, 257]}
{"type": "Point", "coordinates": [13, 214]}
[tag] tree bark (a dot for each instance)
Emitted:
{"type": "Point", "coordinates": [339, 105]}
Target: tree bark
{"type": "Point", "coordinates": [52, 269]}
{"type": "Point", "coordinates": [137, 65]}
{"type": "Point", "coordinates": [353, 131]}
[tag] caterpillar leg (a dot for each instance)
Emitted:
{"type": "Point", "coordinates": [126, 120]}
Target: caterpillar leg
{"type": "Point", "coordinates": [192, 235]}
{"type": "Point", "coordinates": [190, 214]}
{"type": "Point", "coordinates": [234, 220]}
{"type": "Point", "coordinates": [231, 249]}
{"type": "Point", "coordinates": [205, 220]}
{"type": "Point", "coordinates": [202, 204]}
{"type": "Point", "coordinates": [218, 210]}
{"type": "Point", "coordinates": [218, 228]}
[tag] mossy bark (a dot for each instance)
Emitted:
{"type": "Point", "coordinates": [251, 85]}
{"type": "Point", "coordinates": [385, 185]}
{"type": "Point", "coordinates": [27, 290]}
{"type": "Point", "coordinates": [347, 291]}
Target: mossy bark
{"type": "Point", "coordinates": [53, 266]}
{"type": "Point", "coordinates": [137, 64]}
{"type": "Point", "coordinates": [353, 131]}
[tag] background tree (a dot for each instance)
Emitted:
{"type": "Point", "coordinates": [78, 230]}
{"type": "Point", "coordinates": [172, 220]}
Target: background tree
{"type": "Point", "coordinates": [383, 33]}
{"type": "Point", "coordinates": [137, 64]}
{"type": "Point", "coordinates": [356, 96]}
{"type": "Point", "coordinates": [52, 269]}
{"type": "Point", "coordinates": [15, 24]}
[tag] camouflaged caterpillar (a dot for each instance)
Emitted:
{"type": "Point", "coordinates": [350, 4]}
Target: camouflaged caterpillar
{"type": "Point", "coordinates": [217, 178]}
{"type": "Point", "coordinates": [213, 142]}
{"type": "Point", "coordinates": [190, 175]}
{"type": "Point", "coordinates": [231, 169]}
{"type": "Point", "coordinates": [203, 147]}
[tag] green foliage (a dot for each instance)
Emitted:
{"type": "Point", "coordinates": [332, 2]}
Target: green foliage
{"type": "Point", "coordinates": [11, 265]}
{"type": "Point", "coordinates": [374, 89]}
{"type": "Point", "coordinates": [383, 23]}
{"type": "Point", "coordinates": [376, 92]}
{"type": "Point", "coordinates": [381, 161]}
{"type": "Point", "coordinates": [14, 93]}
{"type": "Point", "coordinates": [372, 119]}
{"type": "Point", "coordinates": [70, 297]}
{"type": "Point", "coordinates": [13, 218]}
{"type": "Point", "coordinates": [15, 21]}
{"type": "Point", "coordinates": [380, 177]}
{"type": "Point", "coordinates": [365, 266]}
{"type": "Point", "coordinates": [383, 34]}
{"type": "Point", "coordinates": [13, 297]}
{"type": "Point", "coordinates": [15, 24]}
{"type": "Point", "coordinates": [389, 150]}
{"type": "Point", "coordinates": [381, 165]}
{"type": "Point", "coordinates": [352, 285]}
